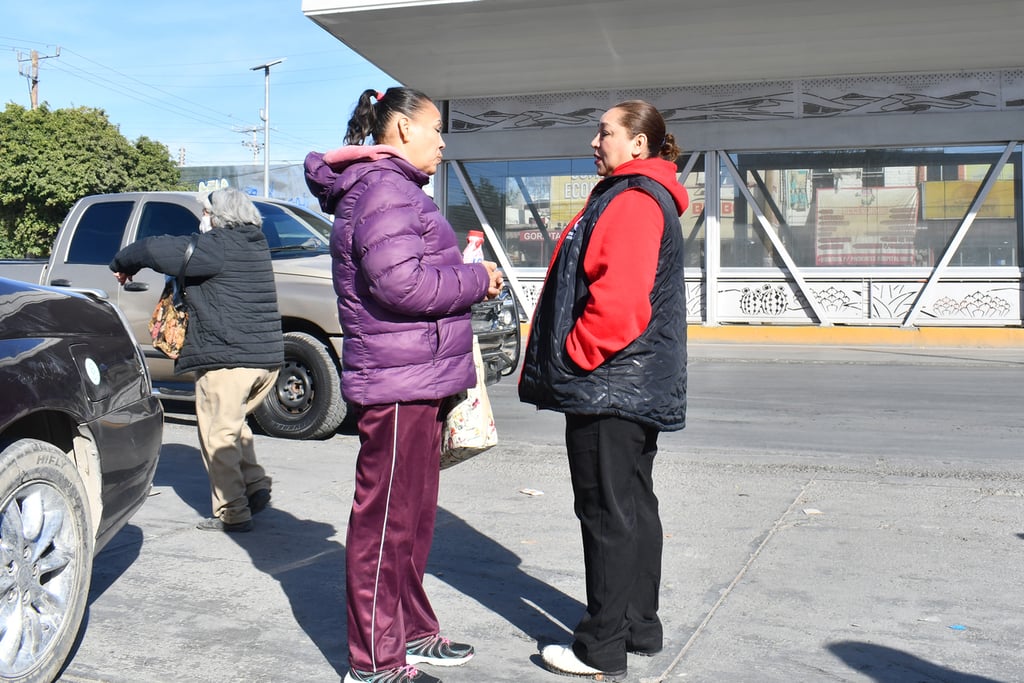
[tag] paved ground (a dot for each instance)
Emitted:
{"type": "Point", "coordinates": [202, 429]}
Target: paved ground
{"type": "Point", "coordinates": [775, 569]}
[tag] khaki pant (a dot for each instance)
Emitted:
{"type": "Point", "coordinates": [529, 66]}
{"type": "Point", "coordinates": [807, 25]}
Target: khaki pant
{"type": "Point", "coordinates": [223, 400]}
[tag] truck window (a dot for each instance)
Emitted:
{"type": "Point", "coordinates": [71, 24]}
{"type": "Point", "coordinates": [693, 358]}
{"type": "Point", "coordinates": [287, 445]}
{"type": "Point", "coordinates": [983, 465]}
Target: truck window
{"type": "Point", "coordinates": [285, 228]}
{"type": "Point", "coordinates": [99, 233]}
{"type": "Point", "coordinates": [162, 218]}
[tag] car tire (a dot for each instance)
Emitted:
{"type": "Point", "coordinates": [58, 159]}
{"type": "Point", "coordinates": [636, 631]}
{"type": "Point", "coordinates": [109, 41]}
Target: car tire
{"type": "Point", "coordinates": [306, 402]}
{"type": "Point", "coordinates": [46, 548]}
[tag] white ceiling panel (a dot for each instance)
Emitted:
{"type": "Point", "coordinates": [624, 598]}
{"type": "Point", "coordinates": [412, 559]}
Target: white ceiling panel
{"type": "Point", "coordinates": [470, 48]}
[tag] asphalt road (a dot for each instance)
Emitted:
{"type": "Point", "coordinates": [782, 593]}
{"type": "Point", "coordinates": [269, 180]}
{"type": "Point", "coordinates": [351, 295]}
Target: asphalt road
{"type": "Point", "coordinates": [941, 408]}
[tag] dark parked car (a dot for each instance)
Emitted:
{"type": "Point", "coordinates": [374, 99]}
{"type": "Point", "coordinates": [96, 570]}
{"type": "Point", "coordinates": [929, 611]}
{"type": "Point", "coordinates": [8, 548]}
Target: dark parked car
{"type": "Point", "coordinates": [80, 436]}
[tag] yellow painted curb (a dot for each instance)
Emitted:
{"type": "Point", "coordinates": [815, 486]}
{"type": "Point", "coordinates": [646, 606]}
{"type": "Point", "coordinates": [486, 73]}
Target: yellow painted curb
{"type": "Point", "coordinates": [989, 337]}
{"type": "Point", "coordinates": [974, 337]}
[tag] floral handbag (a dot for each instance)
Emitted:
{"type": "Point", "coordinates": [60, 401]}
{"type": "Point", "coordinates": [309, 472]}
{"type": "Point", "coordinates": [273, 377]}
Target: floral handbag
{"type": "Point", "coordinates": [169, 321]}
{"type": "Point", "coordinates": [469, 425]}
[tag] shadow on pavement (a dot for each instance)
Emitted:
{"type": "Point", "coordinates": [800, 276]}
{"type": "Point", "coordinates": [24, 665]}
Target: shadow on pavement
{"type": "Point", "coordinates": [310, 567]}
{"type": "Point", "coordinates": [490, 573]}
{"type": "Point", "coordinates": [297, 553]}
{"type": "Point", "coordinates": [888, 665]}
{"type": "Point", "coordinates": [119, 554]}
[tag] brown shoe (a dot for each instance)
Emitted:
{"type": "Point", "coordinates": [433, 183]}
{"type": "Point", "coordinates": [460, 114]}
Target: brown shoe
{"type": "Point", "coordinates": [215, 524]}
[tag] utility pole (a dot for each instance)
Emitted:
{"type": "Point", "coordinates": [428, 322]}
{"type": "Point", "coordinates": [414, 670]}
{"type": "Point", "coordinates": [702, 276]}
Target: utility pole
{"type": "Point", "coordinates": [33, 74]}
{"type": "Point", "coordinates": [253, 144]}
{"type": "Point", "coordinates": [265, 116]}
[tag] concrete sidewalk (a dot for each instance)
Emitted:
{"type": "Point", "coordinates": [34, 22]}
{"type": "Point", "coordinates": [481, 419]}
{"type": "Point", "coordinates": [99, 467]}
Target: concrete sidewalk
{"type": "Point", "coordinates": [773, 571]}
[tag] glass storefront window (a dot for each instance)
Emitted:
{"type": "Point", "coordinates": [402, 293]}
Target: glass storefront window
{"type": "Point", "coordinates": [870, 208]}
{"type": "Point", "coordinates": [529, 204]}
{"type": "Point", "coordinates": [895, 207]}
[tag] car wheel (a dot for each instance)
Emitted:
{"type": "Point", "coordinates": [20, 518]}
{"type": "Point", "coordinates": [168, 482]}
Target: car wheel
{"type": "Point", "coordinates": [307, 401]}
{"type": "Point", "coordinates": [46, 547]}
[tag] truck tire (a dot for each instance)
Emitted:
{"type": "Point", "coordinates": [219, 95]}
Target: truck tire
{"type": "Point", "coordinates": [47, 544]}
{"type": "Point", "coordinates": [307, 401]}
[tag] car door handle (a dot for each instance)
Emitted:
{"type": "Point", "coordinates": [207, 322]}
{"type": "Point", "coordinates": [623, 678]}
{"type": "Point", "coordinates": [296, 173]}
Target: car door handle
{"type": "Point", "coordinates": [60, 282]}
{"type": "Point", "coordinates": [136, 286]}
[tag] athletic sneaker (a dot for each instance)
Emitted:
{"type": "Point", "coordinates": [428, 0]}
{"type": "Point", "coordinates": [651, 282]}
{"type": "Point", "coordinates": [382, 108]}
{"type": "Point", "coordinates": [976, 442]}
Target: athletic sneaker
{"type": "Point", "coordinates": [438, 651]}
{"type": "Point", "coordinates": [403, 674]}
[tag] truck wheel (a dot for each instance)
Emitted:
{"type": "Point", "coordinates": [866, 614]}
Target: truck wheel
{"type": "Point", "coordinates": [307, 402]}
{"type": "Point", "coordinates": [46, 546]}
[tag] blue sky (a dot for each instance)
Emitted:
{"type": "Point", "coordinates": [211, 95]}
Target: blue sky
{"type": "Point", "coordinates": [180, 72]}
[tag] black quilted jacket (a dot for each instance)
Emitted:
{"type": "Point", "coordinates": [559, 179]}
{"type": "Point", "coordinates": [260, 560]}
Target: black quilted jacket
{"type": "Point", "coordinates": [232, 300]}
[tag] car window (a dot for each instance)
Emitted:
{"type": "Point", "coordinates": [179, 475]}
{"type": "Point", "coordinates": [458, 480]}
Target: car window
{"type": "Point", "coordinates": [293, 228]}
{"type": "Point", "coordinates": [99, 233]}
{"type": "Point", "coordinates": [164, 218]}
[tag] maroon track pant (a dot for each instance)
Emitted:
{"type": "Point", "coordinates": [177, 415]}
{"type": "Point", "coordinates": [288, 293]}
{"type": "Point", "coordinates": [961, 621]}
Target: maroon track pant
{"type": "Point", "coordinates": [390, 531]}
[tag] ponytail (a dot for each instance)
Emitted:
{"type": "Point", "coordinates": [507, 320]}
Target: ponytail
{"type": "Point", "coordinates": [363, 121]}
{"type": "Point", "coordinates": [669, 149]}
{"type": "Point", "coordinates": [370, 119]}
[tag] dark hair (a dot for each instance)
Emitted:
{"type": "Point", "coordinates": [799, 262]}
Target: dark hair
{"type": "Point", "coordinates": [642, 117]}
{"type": "Point", "coordinates": [370, 119]}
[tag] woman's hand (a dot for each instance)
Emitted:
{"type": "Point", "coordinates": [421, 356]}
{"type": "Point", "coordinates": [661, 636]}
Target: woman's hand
{"type": "Point", "coordinates": [496, 280]}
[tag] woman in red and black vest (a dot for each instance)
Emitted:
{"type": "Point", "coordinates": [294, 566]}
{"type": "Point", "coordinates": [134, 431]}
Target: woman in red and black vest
{"type": "Point", "coordinates": [607, 347]}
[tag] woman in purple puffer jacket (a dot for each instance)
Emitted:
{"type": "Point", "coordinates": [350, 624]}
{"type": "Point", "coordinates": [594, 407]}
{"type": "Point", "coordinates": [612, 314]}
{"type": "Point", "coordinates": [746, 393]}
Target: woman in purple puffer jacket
{"type": "Point", "coordinates": [404, 298]}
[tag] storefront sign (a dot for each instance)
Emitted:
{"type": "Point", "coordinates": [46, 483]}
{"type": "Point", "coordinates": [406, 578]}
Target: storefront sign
{"type": "Point", "coordinates": [950, 199]}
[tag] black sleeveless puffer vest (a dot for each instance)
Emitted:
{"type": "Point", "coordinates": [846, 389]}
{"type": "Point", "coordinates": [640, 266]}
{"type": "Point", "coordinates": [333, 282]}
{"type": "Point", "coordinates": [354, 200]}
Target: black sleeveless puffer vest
{"type": "Point", "coordinates": [644, 382]}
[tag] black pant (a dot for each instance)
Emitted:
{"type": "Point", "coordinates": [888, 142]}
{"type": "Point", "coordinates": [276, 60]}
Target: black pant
{"type": "Point", "coordinates": [611, 461]}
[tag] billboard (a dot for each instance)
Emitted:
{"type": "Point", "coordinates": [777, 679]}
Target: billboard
{"type": "Point", "coordinates": [950, 199]}
{"type": "Point", "coordinates": [865, 226]}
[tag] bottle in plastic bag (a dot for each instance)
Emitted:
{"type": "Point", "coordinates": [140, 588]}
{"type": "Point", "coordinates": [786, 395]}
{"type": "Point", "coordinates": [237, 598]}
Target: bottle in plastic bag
{"type": "Point", "coordinates": [474, 251]}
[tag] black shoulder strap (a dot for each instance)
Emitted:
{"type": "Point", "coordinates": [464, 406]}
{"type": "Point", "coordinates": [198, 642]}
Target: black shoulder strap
{"type": "Point", "coordinates": [188, 257]}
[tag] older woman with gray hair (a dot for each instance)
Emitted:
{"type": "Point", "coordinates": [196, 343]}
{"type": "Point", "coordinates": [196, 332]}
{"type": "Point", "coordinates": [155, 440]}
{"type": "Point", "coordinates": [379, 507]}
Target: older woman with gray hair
{"type": "Point", "coordinates": [233, 342]}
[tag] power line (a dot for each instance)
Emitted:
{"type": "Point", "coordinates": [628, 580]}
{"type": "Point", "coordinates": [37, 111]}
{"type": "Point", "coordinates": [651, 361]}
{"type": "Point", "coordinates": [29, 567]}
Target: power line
{"type": "Point", "coordinates": [147, 85]}
{"type": "Point", "coordinates": [166, 107]}
{"type": "Point", "coordinates": [77, 66]}
{"type": "Point", "coordinates": [162, 104]}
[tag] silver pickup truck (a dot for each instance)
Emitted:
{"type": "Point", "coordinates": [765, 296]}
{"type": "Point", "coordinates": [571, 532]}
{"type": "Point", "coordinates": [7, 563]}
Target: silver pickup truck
{"type": "Point", "coordinates": [308, 401]}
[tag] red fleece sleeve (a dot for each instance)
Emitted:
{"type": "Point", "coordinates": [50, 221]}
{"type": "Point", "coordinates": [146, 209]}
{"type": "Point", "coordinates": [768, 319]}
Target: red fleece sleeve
{"type": "Point", "coordinates": [621, 262]}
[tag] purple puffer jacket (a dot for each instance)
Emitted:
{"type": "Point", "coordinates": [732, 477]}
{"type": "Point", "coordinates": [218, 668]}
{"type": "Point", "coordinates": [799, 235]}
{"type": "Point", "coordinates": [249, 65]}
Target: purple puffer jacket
{"type": "Point", "coordinates": [404, 294]}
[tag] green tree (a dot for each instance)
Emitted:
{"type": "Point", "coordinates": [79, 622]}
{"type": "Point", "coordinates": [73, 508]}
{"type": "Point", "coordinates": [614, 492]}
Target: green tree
{"type": "Point", "coordinates": [51, 158]}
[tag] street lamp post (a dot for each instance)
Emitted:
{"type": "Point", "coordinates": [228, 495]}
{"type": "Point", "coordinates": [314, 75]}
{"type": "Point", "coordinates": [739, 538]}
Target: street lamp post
{"type": "Point", "coordinates": [265, 117]}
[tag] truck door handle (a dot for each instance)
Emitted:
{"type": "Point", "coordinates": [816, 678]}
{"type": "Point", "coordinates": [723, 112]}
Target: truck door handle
{"type": "Point", "coordinates": [60, 282]}
{"type": "Point", "coordinates": [136, 286]}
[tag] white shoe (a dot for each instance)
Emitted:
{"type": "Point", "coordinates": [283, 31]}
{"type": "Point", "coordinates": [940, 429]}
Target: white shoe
{"type": "Point", "coordinates": [560, 659]}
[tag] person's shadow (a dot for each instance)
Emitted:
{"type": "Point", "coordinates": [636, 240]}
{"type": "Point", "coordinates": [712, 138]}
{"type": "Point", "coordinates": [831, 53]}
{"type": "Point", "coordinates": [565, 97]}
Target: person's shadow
{"type": "Point", "coordinates": [311, 568]}
{"type": "Point", "coordinates": [889, 665]}
{"type": "Point", "coordinates": [490, 573]}
{"type": "Point", "coordinates": [298, 553]}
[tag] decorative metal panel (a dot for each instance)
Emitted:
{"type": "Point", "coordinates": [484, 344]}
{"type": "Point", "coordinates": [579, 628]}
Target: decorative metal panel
{"type": "Point", "coordinates": [983, 302]}
{"type": "Point", "coordinates": [1013, 90]}
{"type": "Point", "coordinates": [866, 301]}
{"type": "Point", "coordinates": [767, 301]}
{"type": "Point", "coordinates": [900, 94]}
{"type": "Point", "coordinates": [882, 94]}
